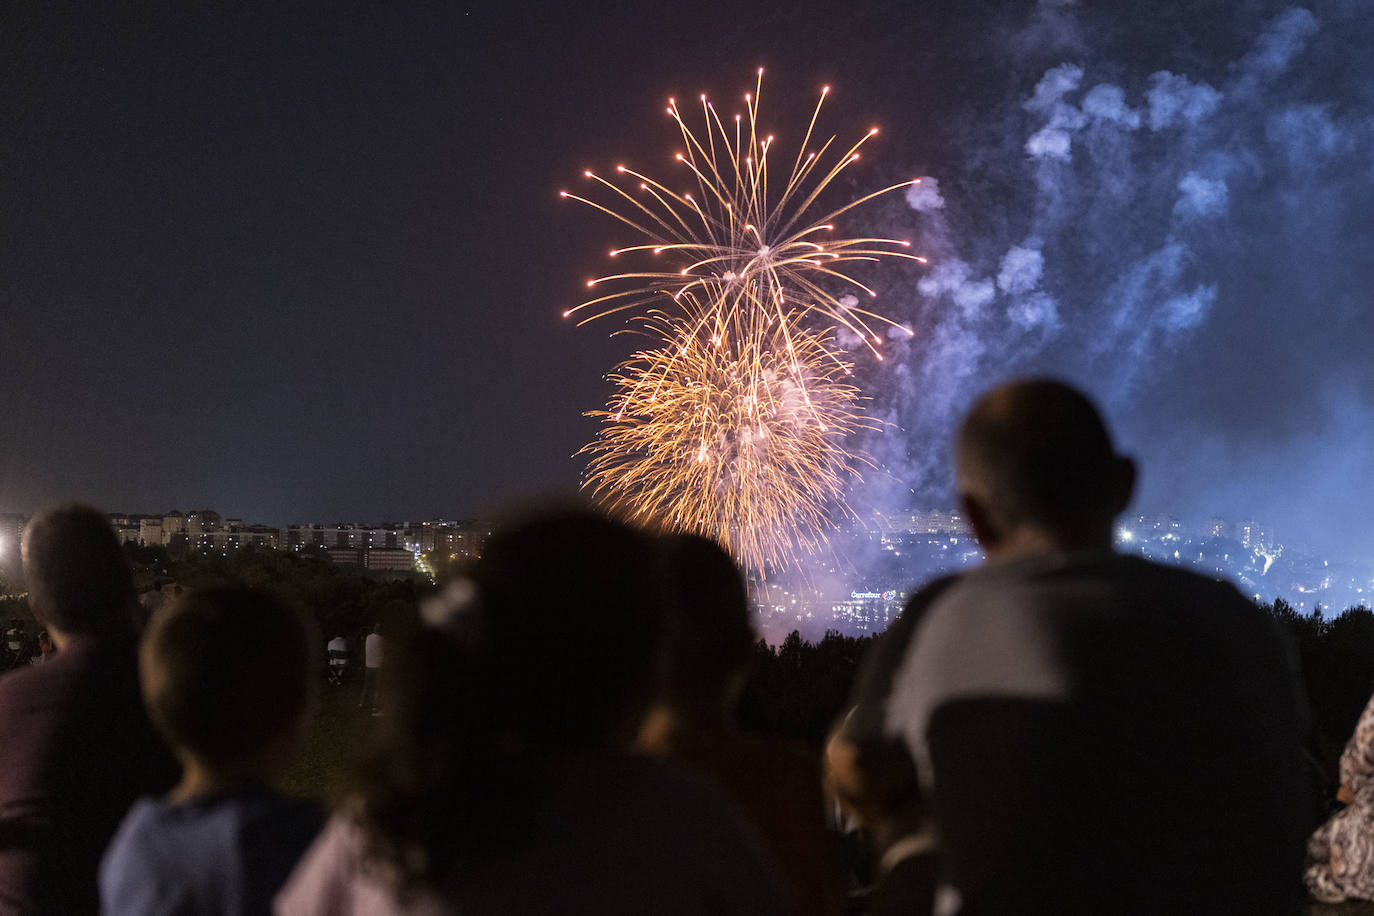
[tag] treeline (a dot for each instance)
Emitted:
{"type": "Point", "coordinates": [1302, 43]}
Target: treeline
{"type": "Point", "coordinates": [797, 688]}
{"type": "Point", "coordinates": [1336, 658]}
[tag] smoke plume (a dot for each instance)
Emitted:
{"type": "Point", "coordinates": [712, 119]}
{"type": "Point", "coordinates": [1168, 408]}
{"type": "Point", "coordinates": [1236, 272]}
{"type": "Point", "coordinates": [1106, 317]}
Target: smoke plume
{"type": "Point", "coordinates": [1187, 237]}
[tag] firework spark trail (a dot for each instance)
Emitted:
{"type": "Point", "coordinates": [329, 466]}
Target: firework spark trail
{"type": "Point", "coordinates": [733, 422]}
{"type": "Point", "coordinates": [722, 440]}
{"type": "Point", "coordinates": [746, 260]}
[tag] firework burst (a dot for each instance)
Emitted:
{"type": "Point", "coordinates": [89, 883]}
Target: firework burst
{"type": "Point", "coordinates": [733, 422]}
{"type": "Point", "coordinates": [749, 257]}
{"type": "Point", "coordinates": [744, 441]}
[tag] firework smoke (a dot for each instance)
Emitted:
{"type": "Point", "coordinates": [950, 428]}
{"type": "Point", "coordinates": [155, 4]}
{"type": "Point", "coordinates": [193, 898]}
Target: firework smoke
{"type": "Point", "coordinates": [1182, 242]}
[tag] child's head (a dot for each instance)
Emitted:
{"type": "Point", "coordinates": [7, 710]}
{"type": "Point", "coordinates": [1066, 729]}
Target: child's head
{"type": "Point", "coordinates": [226, 676]}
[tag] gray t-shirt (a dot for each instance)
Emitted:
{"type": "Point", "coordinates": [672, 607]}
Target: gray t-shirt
{"type": "Point", "coordinates": [1101, 731]}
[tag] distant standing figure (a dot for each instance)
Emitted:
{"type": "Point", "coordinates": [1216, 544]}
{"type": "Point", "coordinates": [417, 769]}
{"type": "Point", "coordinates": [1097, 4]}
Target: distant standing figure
{"type": "Point", "coordinates": [76, 745]}
{"type": "Point", "coordinates": [372, 668]}
{"type": "Point", "coordinates": [46, 649]}
{"type": "Point", "coordinates": [153, 599]}
{"type": "Point", "coordinates": [1340, 855]}
{"type": "Point", "coordinates": [14, 646]}
{"type": "Point", "coordinates": [337, 652]}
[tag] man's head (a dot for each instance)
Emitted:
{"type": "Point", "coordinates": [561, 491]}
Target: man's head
{"type": "Point", "coordinates": [1037, 470]}
{"type": "Point", "coordinates": [226, 675]}
{"type": "Point", "coordinates": [78, 578]}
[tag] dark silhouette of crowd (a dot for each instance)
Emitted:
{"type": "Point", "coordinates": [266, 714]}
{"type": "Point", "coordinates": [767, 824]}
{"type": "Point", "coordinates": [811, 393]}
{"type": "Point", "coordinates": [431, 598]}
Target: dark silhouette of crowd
{"type": "Point", "coordinates": [1062, 730]}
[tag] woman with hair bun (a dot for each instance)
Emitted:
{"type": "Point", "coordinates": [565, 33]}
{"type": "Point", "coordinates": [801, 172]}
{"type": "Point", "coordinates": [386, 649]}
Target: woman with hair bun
{"type": "Point", "coordinates": [503, 779]}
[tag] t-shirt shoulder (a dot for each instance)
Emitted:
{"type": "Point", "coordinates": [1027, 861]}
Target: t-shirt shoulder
{"type": "Point", "coordinates": [248, 840]}
{"type": "Point", "coordinates": [132, 879]}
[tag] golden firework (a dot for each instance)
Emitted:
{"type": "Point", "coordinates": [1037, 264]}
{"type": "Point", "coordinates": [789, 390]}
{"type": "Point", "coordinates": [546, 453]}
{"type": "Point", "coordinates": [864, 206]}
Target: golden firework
{"type": "Point", "coordinates": [744, 442]}
{"type": "Point", "coordinates": [733, 423]}
{"type": "Point", "coordinates": [748, 256]}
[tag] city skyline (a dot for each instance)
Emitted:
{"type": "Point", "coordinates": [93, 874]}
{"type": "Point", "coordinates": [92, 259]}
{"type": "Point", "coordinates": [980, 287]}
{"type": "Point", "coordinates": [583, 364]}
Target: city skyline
{"type": "Point", "coordinates": [1161, 536]}
{"type": "Point", "coordinates": [859, 590]}
{"type": "Point", "coordinates": [1248, 530]}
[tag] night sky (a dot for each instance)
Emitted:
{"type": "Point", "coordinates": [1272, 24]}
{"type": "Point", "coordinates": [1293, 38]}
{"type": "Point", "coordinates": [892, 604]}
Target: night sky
{"type": "Point", "coordinates": [308, 263]}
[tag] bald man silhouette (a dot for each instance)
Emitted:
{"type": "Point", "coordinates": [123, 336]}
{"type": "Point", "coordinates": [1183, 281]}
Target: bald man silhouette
{"type": "Point", "coordinates": [1095, 733]}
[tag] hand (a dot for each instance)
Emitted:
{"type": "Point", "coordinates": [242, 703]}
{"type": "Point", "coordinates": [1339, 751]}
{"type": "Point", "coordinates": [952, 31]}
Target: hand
{"type": "Point", "coordinates": [1344, 795]}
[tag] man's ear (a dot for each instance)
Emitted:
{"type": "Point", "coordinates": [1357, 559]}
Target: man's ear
{"type": "Point", "coordinates": [1123, 484]}
{"type": "Point", "coordinates": [980, 520]}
